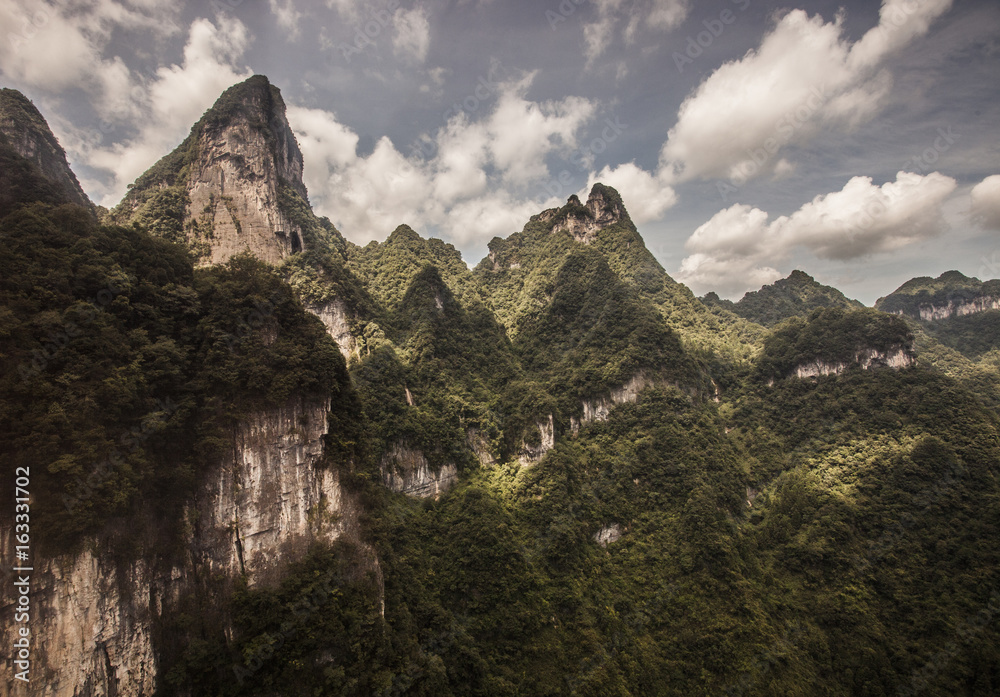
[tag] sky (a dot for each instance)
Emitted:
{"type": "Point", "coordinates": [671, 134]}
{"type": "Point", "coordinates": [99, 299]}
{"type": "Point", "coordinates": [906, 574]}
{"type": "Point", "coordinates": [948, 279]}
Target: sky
{"type": "Point", "coordinates": [855, 141]}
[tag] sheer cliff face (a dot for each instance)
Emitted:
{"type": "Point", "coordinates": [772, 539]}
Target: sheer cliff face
{"type": "Point", "coordinates": [235, 183]}
{"type": "Point", "coordinates": [259, 511]}
{"type": "Point", "coordinates": [25, 130]}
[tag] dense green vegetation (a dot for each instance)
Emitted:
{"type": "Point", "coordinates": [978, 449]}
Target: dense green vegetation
{"type": "Point", "coordinates": [797, 295]}
{"type": "Point", "coordinates": [123, 367]}
{"type": "Point", "coordinates": [951, 287]}
{"type": "Point", "coordinates": [831, 336]}
{"type": "Point", "coordinates": [518, 275]}
{"type": "Point", "coordinates": [732, 530]}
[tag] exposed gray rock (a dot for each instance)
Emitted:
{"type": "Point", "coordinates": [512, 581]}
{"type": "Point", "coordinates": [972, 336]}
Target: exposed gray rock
{"type": "Point", "coordinates": [530, 454]}
{"type": "Point", "coordinates": [867, 359]}
{"type": "Point", "coordinates": [407, 471]}
{"type": "Point", "coordinates": [94, 618]}
{"type": "Point", "coordinates": [607, 535]}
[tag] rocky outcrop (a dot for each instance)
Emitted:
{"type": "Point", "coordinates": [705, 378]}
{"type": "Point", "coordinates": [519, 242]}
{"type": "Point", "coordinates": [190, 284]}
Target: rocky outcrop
{"type": "Point", "coordinates": [477, 442]}
{"type": "Point", "coordinates": [270, 500]}
{"type": "Point", "coordinates": [406, 471]}
{"type": "Point", "coordinates": [91, 629]}
{"type": "Point", "coordinates": [24, 129]}
{"type": "Point", "coordinates": [867, 359]}
{"type": "Point", "coordinates": [609, 534]}
{"type": "Point", "coordinates": [94, 618]}
{"type": "Point", "coordinates": [532, 453]}
{"type": "Point", "coordinates": [334, 317]}
{"type": "Point", "coordinates": [603, 209]}
{"type": "Point", "coordinates": [930, 313]}
{"type": "Point", "coordinates": [240, 175]}
{"type": "Point", "coordinates": [599, 408]}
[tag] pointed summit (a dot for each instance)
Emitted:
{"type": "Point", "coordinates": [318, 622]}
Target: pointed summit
{"type": "Point", "coordinates": [795, 296]}
{"type": "Point", "coordinates": [25, 132]}
{"type": "Point", "coordinates": [604, 208]}
{"type": "Point", "coordinates": [234, 185]}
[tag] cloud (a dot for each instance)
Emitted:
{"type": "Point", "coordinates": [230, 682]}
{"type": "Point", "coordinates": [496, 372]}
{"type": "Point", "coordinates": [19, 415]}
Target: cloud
{"type": "Point", "coordinates": [55, 48]}
{"type": "Point", "coordinates": [477, 182]}
{"type": "Point", "coordinates": [649, 197]}
{"type": "Point", "coordinates": [986, 203]}
{"type": "Point", "coordinates": [804, 76]}
{"type": "Point", "coordinates": [667, 14]}
{"type": "Point", "coordinates": [288, 17]}
{"type": "Point", "coordinates": [657, 15]}
{"type": "Point", "coordinates": [168, 104]}
{"type": "Point", "coordinates": [412, 38]}
{"type": "Point", "coordinates": [522, 133]}
{"type": "Point", "coordinates": [734, 250]}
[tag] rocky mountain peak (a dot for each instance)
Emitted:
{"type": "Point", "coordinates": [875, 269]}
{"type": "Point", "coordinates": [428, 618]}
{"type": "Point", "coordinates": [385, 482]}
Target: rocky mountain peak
{"type": "Point", "coordinates": [604, 208]}
{"type": "Point", "coordinates": [25, 131]}
{"type": "Point", "coordinates": [234, 185]}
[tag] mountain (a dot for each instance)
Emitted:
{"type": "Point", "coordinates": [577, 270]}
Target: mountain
{"type": "Point", "coordinates": [795, 296]}
{"type": "Point", "coordinates": [519, 272]}
{"type": "Point", "coordinates": [233, 185]}
{"type": "Point", "coordinates": [34, 164]}
{"type": "Point", "coordinates": [350, 470]}
{"type": "Point", "coordinates": [956, 322]}
{"type": "Point", "coordinates": [952, 294]}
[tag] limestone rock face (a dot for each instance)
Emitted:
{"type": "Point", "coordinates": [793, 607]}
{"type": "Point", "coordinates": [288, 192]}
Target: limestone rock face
{"type": "Point", "coordinates": [235, 180]}
{"type": "Point", "coordinates": [91, 629]}
{"type": "Point", "coordinates": [25, 130]}
{"type": "Point", "coordinates": [867, 359]}
{"type": "Point", "coordinates": [609, 534]}
{"type": "Point", "coordinates": [94, 619]}
{"type": "Point", "coordinates": [334, 316]}
{"type": "Point", "coordinates": [930, 313]}
{"type": "Point", "coordinates": [407, 471]}
{"type": "Point", "coordinates": [238, 176]}
{"type": "Point", "coordinates": [599, 408]}
{"type": "Point", "coordinates": [270, 500]}
{"type": "Point", "coordinates": [584, 222]}
{"type": "Point", "coordinates": [531, 454]}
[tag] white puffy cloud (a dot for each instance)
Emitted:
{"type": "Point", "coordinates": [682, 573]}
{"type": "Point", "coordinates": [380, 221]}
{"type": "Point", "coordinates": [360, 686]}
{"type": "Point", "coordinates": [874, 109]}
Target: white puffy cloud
{"type": "Point", "coordinates": [477, 182]}
{"type": "Point", "coordinates": [413, 32]}
{"type": "Point", "coordinates": [865, 219]}
{"type": "Point", "coordinates": [804, 76]}
{"type": "Point", "coordinates": [730, 278]}
{"type": "Point", "coordinates": [52, 48]}
{"type": "Point", "coordinates": [288, 17]}
{"type": "Point", "coordinates": [522, 133]}
{"type": "Point", "coordinates": [986, 203]}
{"type": "Point", "coordinates": [169, 103]}
{"type": "Point", "coordinates": [649, 197]}
{"type": "Point", "coordinates": [736, 248]}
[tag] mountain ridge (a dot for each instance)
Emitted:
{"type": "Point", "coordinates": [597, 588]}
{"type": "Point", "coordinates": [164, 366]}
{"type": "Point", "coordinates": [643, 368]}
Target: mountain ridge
{"type": "Point", "coordinates": [24, 131]}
